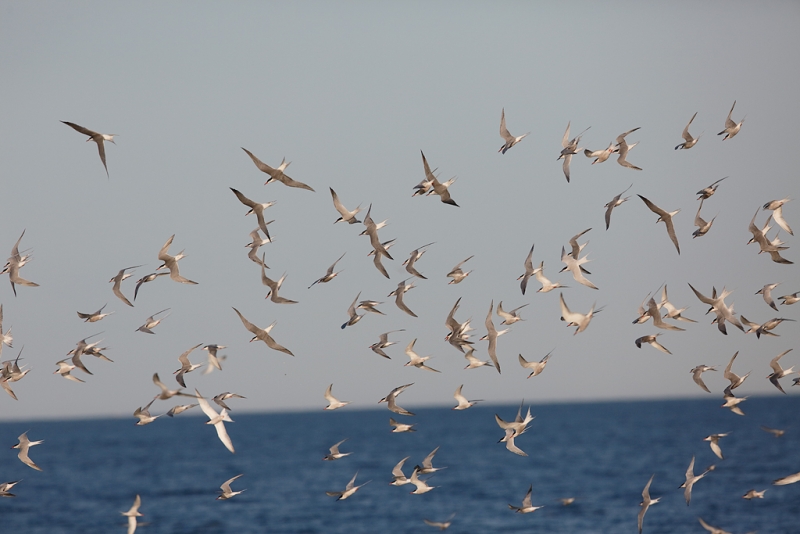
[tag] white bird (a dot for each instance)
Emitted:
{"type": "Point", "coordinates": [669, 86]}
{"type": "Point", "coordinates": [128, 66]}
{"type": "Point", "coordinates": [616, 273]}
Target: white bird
{"type": "Point", "coordinates": [257, 208]}
{"type": "Point", "coordinates": [462, 401]}
{"type": "Point", "coordinates": [122, 275]}
{"type": "Point", "coordinates": [672, 311]}
{"type": "Point", "coordinates": [143, 280]}
{"type": "Point", "coordinates": [732, 402]}
{"type": "Point", "coordinates": [491, 336]}
{"type": "Point", "coordinates": [666, 217]}
{"type": "Point", "coordinates": [651, 340]}
{"type": "Point", "coordinates": [526, 507]}
{"type": "Point", "coordinates": [601, 155]}
{"type": "Point", "coordinates": [614, 203]}
{"type": "Point", "coordinates": [569, 149]}
{"type": "Point", "coordinates": [573, 318]}
{"type": "Point", "coordinates": [390, 400]}
{"type": "Point", "coordinates": [329, 275]}
{"type": "Point", "coordinates": [274, 287]}
{"type": "Point", "coordinates": [766, 292]}
{"type": "Point", "coordinates": [216, 419]}
{"type": "Point", "coordinates": [535, 367]}
{"type": "Point", "coordinates": [509, 317]}
{"type": "Point", "coordinates": [351, 312]}
{"type": "Point", "coordinates": [688, 142]}
{"type": "Point", "coordinates": [213, 360]}
{"type": "Point", "coordinates": [718, 306]}
{"type": "Point", "coordinates": [415, 360]}
{"type": "Point", "coordinates": [575, 266]}
{"type": "Point", "coordinates": [6, 338]}
{"type": "Point", "coordinates": [171, 263]}
{"type": "Point", "coordinates": [143, 414]}
{"type": "Point", "coordinates": [151, 322]}
{"type": "Point", "coordinates": [398, 477]}
{"type": "Point", "coordinates": [509, 139]}
{"type": "Point", "coordinates": [696, 375]}
{"type": "Point", "coordinates": [132, 514]}
{"type": "Point", "coordinates": [475, 362]}
{"type": "Point", "coordinates": [774, 431]}
{"type": "Point", "coordinates": [23, 446]}
{"type": "Point", "coordinates": [222, 397]}
{"type": "Point", "coordinates": [334, 452]}
{"type": "Point", "coordinates": [349, 490]}
{"type": "Point", "coordinates": [776, 206]}
{"type": "Point", "coordinates": [713, 442]}
{"type": "Point", "coordinates": [792, 298]}
{"type": "Point", "coordinates": [97, 138]}
{"type": "Point", "coordinates": [427, 464]}
{"type": "Point", "coordinates": [547, 285]}
{"type": "Point", "coordinates": [5, 488]}
{"type": "Point", "coordinates": [277, 175]}
{"type": "Point", "coordinates": [256, 242]}
{"type": "Point", "coordinates": [735, 380]}
{"type": "Point", "coordinates": [702, 226]}
{"type": "Point", "coordinates": [384, 342]}
{"type": "Point", "coordinates": [646, 500]}
{"type": "Point", "coordinates": [333, 402]}
{"type": "Point", "coordinates": [529, 271]}
{"type": "Point", "coordinates": [64, 370]}
{"type": "Point", "coordinates": [227, 492]}
{"type": "Point", "coordinates": [262, 334]}
{"type": "Point", "coordinates": [753, 494]}
{"type": "Point", "coordinates": [457, 274]}
{"type": "Point", "coordinates": [412, 259]}
{"type": "Point", "coordinates": [186, 366]}
{"type": "Point", "coordinates": [398, 293]}
{"type": "Point", "coordinates": [691, 479]}
{"type": "Point", "coordinates": [441, 525]}
{"type": "Point", "coordinates": [731, 128]}
{"type": "Point", "coordinates": [712, 529]}
{"type": "Point", "coordinates": [401, 427]}
{"type": "Point", "coordinates": [778, 372]}
{"type": "Point", "coordinates": [622, 148]}
{"type": "Point", "coordinates": [791, 479]}
{"type": "Point", "coordinates": [420, 486]}
{"type": "Point", "coordinates": [175, 410]}
{"type": "Point", "coordinates": [14, 264]}
{"type": "Point", "coordinates": [345, 214]}
{"type": "Point", "coordinates": [706, 192]}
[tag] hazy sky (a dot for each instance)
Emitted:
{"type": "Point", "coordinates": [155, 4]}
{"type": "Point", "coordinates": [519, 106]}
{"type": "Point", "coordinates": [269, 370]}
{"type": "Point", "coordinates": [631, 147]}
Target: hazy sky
{"type": "Point", "coordinates": [350, 93]}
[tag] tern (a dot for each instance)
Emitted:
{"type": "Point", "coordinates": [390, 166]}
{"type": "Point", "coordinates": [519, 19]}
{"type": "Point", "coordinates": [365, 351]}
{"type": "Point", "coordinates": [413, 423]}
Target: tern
{"type": "Point", "coordinates": [601, 155]}
{"type": "Point", "coordinates": [416, 360]}
{"type": "Point", "coordinates": [691, 479]}
{"type": "Point", "coordinates": [535, 367]}
{"type": "Point", "coordinates": [623, 148]}
{"type": "Point", "coordinates": [94, 317]}
{"type": "Point", "coordinates": [274, 286]}
{"type": "Point", "coordinates": [64, 370]}
{"type": "Point", "coordinates": [764, 244]}
{"type": "Point", "coordinates": [575, 266]}
{"type": "Point", "coordinates": [688, 142]}
{"type": "Point", "coordinates": [277, 175]}
{"type": "Point", "coordinates": [526, 507]}
{"type": "Point", "coordinates": [509, 317]}
{"type": "Point", "coordinates": [475, 362]}
{"type": "Point", "coordinates": [509, 139]}
{"type": "Point", "coordinates": [349, 490]}
{"type": "Point", "coordinates": [791, 479]}
{"type": "Point", "coordinates": [262, 334]}
{"type": "Point", "coordinates": [149, 278]}
{"type": "Point", "coordinates": [5, 488]}
{"type": "Point", "coordinates": [427, 183]}
{"type": "Point", "coordinates": [97, 138]}
{"type": "Point", "coordinates": [213, 361]}
{"type": "Point", "coordinates": [529, 270]}
{"type": "Point", "coordinates": [722, 311]}
{"type": "Point", "coordinates": [216, 419]}
{"type": "Point", "coordinates": [412, 259]}
{"type": "Point", "coordinates": [696, 375]}
{"type": "Point", "coordinates": [122, 275]}
{"type": "Point", "coordinates": [420, 486]}
{"type": "Point", "coordinates": [401, 427]}
{"type": "Point", "coordinates": [614, 203]}
{"type": "Point", "coordinates": [78, 351]}
{"type": "Point", "coordinates": [384, 342]}
{"type": "Point", "coordinates": [329, 275]}
{"type": "Point", "coordinates": [774, 431]}
{"type": "Point", "coordinates": [457, 274]}
{"type": "Point", "coordinates": [14, 264]}
{"type": "Point", "coordinates": [658, 322]}
{"type": "Point", "coordinates": [766, 292]}
{"type": "Point", "coordinates": [672, 311]}
{"type": "Point", "coordinates": [651, 340]}
{"type": "Point", "coordinates": [710, 528]}
{"type": "Point", "coordinates": [442, 189]}
{"type": "Point", "coordinates": [441, 525]}
{"type": "Point", "coordinates": [713, 442]}
{"type": "Point", "coordinates": [547, 285]}
{"type": "Point", "coordinates": [334, 452]}
{"type": "Point", "coordinates": [222, 397]}
{"type": "Point", "coordinates": [706, 192]}
{"type": "Point", "coordinates": [753, 494]}
{"type": "Point", "coordinates": [255, 207]}
{"type": "Point", "coordinates": [226, 492]}
{"type": "Point", "coordinates": [462, 401]}
{"type": "Point", "coordinates": [427, 464]}
{"type": "Point", "coordinates": [369, 306]}
{"type": "Point", "coordinates": [23, 446]}
{"type": "Point", "coordinates": [398, 477]}
{"type": "Point", "coordinates": [390, 400]}
{"type": "Point", "coordinates": [776, 206]}
{"type": "Point", "coordinates": [333, 402]}
{"type": "Point", "coordinates": [167, 393]}
{"type": "Point", "coordinates": [790, 299]}
{"type": "Point", "coordinates": [732, 402]}
{"type": "Point", "coordinates": [175, 410]}
{"type": "Point", "coordinates": [766, 328]}
{"type": "Point", "coordinates": [345, 214]}
{"type": "Point", "coordinates": [778, 372]}
{"type": "Point", "coordinates": [646, 500]}
{"type": "Point", "coordinates": [575, 319]}
{"type": "Point", "coordinates": [666, 217]}
{"type": "Point", "coordinates": [143, 414]}
{"type": "Point", "coordinates": [731, 128]}
{"type": "Point", "coordinates": [256, 242]}
{"type": "Point", "coordinates": [351, 312]}
{"type": "Point", "coordinates": [402, 287]}
{"type": "Point", "coordinates": [171, 263]}
{"type": "Point", "coordinates": [491, 336]}
{"type": "Point", "coordinates": [132, 514]}
{"type": "Point", "coordinates": [735, 380]}
{"type": "Point", "coordinates": [569, 149]}
{"type": "Point", "coordinates": [7, 339]}
{"type": "Point", "coordinates": [151, 322]}
{"type": "Point", "coordinates": [702, 226]}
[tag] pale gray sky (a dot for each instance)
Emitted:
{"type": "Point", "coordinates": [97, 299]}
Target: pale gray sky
{"type": "Point", "coordinates": [350, 93]}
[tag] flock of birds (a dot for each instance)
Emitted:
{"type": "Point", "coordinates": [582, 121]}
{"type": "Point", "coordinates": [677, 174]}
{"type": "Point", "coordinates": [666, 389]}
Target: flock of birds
{"type": "Point", "coordinates": [663, 313]}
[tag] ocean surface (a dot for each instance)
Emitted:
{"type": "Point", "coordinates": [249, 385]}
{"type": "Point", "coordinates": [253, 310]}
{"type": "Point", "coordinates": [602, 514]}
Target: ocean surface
{"type": "Point", "coordinates": [602, 454]}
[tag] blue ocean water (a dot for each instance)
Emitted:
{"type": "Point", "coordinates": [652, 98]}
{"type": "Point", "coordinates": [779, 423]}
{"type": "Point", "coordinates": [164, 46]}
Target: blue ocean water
{"type": "Point", "coordinates": [602, 454]}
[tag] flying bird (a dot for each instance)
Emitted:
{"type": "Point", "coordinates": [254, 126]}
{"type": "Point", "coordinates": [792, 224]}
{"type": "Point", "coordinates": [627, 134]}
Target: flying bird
{"type": "Point", "coordinates": [345, 215]}
{"type": "Point", "coordinates": [277, 175]}
{"type": "Point", "coordinates": [623, 148]}
{"type": "Point", "coordinates": [216, 419]}
{"type": "Point", "coordinates": [614, 203]}
{"type": "Point", "coordinates": [122, 275]}
{"type": "Point", "coordinates": [23, 445]}
{"type": "Point", "coordinates": [569, 149]}
{"type": "Point", "coordinates": [226, 491]}
{"type": "Point", "coordinates": [509, 139]}
{"type": "Point", "coordinates": [333, 402]}
{"type": "Point", "coordinates": [329, 275]}
{"type": "Point", "coordinates": [262, 334]}
{"type": "Point", "coordinates": [349, 490]}
{"type": "Point", "coordinates": [132, 514]}
{"type": "Point", "coordinates": [97, 138]}
{"type": "Point", "coordinates": [646, 501]}
{"type": "Point", "coordinates": [666, 217]}
{"type": "Point", "coordinates": [688, 140]}
{"type": "Point", "coordinates": [171, 263]}
{"type": "Point", "coordinates": [731, 128]}
{"type": "Point", "coordinates": [526, 507]}
{"type": "Point", "coordinates": [257, 208]}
